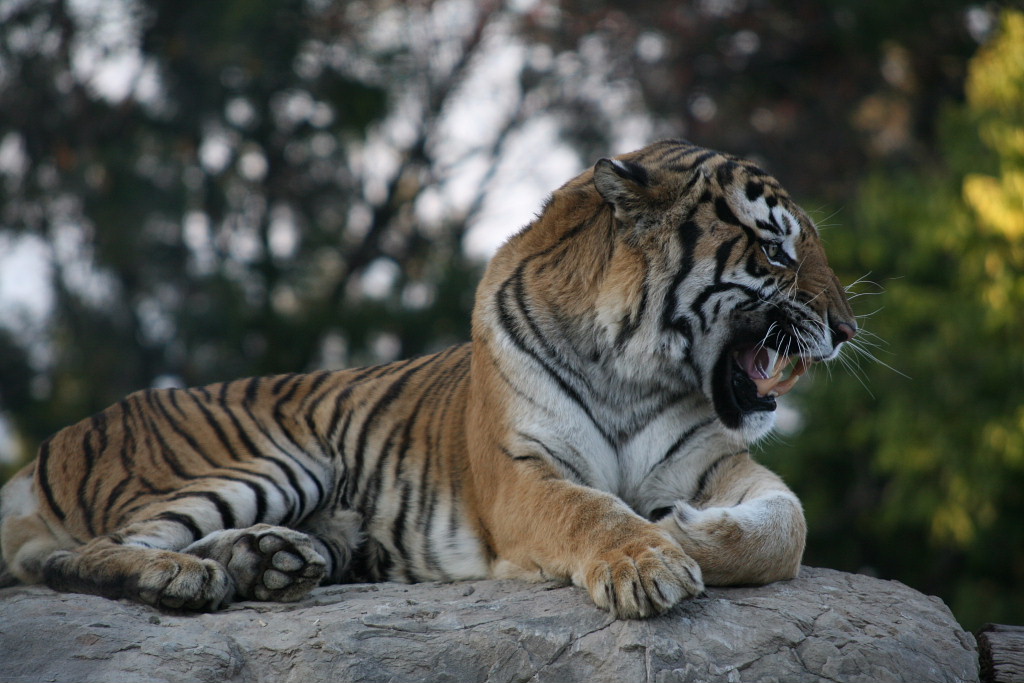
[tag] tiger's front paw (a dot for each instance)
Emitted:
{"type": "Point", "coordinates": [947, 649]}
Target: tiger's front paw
{"type": "Point", "coordinates": [645, 577]}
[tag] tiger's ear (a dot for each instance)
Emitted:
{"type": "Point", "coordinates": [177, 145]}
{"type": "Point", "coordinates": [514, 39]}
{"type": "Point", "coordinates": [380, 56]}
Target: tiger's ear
{"type": "Point", "coordinates": [623, 184]}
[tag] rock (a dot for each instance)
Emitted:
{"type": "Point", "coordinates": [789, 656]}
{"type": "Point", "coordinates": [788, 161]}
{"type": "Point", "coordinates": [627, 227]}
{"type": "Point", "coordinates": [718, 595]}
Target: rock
{"type": "Point", "coordinates": [825, 625]}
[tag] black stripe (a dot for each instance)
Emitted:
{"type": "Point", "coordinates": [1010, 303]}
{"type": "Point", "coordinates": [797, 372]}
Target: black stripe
{"type": "Point", "coordinates": [43, 477]}
{"type": "Point", "coordinates": [398, 530]}
{"type": "Point", "coordinates": [456, 381]}
{"type": "Point", "coordinates": [168, 454]}
{"type": "Point", "coordinates": [255, 453]}
{"type": "Point", "coordinates": [387, 454]}
{"type": "Point", "coordinates": [227, 515]}
{"type": "Point", "coordinates": [126, 455]}
{"type": "Point", "coordinates": [214, 424]}
{"type": "Point", "coordinates": [89, 465]}
{"type": "Point", "coordinates": [702, 482]}
{"type": "Point", "coordinates": [754, 189]}
{"type": "Point", "coordinates": [331, 546]}
{"type": "Point", "coordinates": [252, 387]}
{"type": "Point", "coordinates": [183, 520]}
{"type": "Point", "coordinates": [152, 398]}
{"type": "Point", "coordinates": [398, 454]}
{"type": "Point", "coordinates": [112, 499]}
{"type": "Point", "coordinates": [318, 381]}
{"type": "Point", "coordinates": [722, 256]}
{"type": "Point", "coordinates": [630, 324]}
{"type": "Point", "coordinates": [279, 421]}
{"type": "Point", "coordinates": [365, 499]}
{"type": "Point", "coordinates": [697, 307]}
{"type": "Point", "coordinates": [518, 283]}
{"type": "Point", "coordinates": [743, 496]}
{"type": "Point", "coordinates": [681, 441]}
{"type": "Point", "coordinates": [258, 493]}
{"type": "Point", "coordinates": [171, 458]}
{"type": "Point", "coordinates": [691, 163]}
{"type": "Point", "coordinates": [173, 394]}
{"type": "Point", "coordinates": [342, 476]}
{"type": "Point", "coordinates": [390, 395]}
{"type": "Point", "coordinates": [281, 381]}
{"type": "Point", "coordinates": [510, 326]}
{"type": "Point", "coordinates": [308, 409]}
{"type": "Point", "coordinates": [551, 454]}
{"type": "Point", "coordinates": [297, 499]}
{"type": "Point", "coordinates": [689, 234]}
{"type": "Point", "coordinates": [225, 406]}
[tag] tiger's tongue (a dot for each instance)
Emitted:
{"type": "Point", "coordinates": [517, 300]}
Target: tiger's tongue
{"type": "Point", "coordinates": [754, 362]}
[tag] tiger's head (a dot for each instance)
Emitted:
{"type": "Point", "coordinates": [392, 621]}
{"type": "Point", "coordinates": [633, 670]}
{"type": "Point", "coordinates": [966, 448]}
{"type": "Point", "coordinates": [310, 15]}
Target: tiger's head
{"type": "Point", "coordinates": [672, 272]}
{"type": "Point", "coordinates": [735, 279]}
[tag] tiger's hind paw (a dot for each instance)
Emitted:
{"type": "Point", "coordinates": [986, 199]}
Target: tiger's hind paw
{"type": "Point", "coordinates": [275, 564]}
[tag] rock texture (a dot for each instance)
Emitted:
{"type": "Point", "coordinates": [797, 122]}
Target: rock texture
{"type": "Point", "coordinates": [826, 625]}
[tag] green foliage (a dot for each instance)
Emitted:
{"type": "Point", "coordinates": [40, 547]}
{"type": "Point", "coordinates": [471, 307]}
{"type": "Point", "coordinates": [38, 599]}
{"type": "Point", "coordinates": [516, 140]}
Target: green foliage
{"type": "Point", "coordinates": [918, 471]}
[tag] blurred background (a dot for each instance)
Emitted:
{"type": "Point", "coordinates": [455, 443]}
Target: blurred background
{"type": "Point", "coordinates": [198, 191]}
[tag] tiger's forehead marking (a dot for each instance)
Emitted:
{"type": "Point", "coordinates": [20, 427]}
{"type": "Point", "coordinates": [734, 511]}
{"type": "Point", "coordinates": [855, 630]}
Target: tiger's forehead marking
{"type": "Point", "coordinates": [765, 214]}
{"type": "Point", "coordinates": [769, 219]}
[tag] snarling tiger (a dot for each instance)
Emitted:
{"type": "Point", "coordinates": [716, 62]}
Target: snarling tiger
{"type": "Point", "coordinates": [627, 348]}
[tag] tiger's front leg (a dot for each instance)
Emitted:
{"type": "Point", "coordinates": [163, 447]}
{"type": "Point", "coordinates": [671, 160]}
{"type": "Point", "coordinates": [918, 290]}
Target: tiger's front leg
{"type": "Point", "coordinates": [747, 528]}
{"type": "Point", "coordinates": [543, 524]}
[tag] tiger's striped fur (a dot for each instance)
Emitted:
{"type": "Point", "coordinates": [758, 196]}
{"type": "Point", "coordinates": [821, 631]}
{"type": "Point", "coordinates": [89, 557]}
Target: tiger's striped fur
{"type": "Point", "coordinates": [595, 429]}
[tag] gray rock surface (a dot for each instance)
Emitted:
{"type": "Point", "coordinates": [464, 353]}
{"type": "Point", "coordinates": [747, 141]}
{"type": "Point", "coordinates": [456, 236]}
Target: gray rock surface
{"type": "Point", "coordinates": [825, 625]}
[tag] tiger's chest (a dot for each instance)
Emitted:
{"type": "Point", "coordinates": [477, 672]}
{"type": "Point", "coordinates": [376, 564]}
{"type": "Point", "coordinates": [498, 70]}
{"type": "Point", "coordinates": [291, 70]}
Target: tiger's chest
{"type": "Point", "coordinates": [650, 457]}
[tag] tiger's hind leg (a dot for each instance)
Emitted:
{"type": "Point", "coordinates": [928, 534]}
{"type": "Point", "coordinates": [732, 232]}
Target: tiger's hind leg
{"type": "Point", "coordinates": [261, 562]}
{"type": "Point", "coordinates": [158, 561]}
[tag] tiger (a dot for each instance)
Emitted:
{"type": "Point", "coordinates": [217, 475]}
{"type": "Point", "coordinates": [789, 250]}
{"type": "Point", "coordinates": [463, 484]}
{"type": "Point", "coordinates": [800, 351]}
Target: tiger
{"type": "Point", "coordinates": [627, 348]}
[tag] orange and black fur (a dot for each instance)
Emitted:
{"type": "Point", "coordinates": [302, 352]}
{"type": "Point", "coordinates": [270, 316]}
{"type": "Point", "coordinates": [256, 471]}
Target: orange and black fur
{"type": "Point", "coordinates": [627, 348]}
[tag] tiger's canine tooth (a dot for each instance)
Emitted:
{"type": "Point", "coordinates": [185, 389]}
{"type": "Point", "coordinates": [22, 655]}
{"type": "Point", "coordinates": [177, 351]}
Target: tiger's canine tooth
{"type": "Point", "coordinates": [775, 385]}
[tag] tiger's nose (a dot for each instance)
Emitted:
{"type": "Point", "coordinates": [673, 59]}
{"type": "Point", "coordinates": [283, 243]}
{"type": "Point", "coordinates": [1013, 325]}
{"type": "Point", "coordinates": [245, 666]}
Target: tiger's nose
{"type": "Point", "coordinates": [843, 332]}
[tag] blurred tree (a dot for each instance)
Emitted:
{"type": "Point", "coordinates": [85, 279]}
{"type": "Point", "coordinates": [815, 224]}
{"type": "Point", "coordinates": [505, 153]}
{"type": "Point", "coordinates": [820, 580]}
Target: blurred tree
{"type": "Point", "coordinates": [922, 476]}
{"type": "Point", "coordinates": [813, 90]}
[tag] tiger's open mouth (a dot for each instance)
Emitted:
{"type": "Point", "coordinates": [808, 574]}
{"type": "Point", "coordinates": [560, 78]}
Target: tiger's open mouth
{"type": "Point", "coordinates": [749, 377]}
{"type": "Point", "coordinates": [755, 361]}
